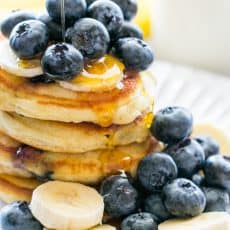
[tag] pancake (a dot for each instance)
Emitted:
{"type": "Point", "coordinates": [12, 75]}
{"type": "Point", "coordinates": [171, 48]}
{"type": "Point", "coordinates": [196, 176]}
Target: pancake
{"type": "Point", "coordinates": [82, 137]}
{"type": "Point", "coordinates": [15, 188]}
{"type": "Point", "coordinates": [88, 168]}
{"type": "Point", "coordinates": [52, 102]}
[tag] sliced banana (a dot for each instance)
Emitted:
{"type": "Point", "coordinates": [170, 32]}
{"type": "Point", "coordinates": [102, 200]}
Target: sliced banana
{"type": "Point", "coordinates": [103, 227]}
{"type": "Point", "coordinates": [205, 221]}
{"type": "Point", "coordinates": [11, 64]}
{"type": "Point", "coordinates": [67, 206]}
{"type": "Point", "coordinates": [214, 132]}
{"type": "Point", "coordinates": [102, 75]}
{"type": "Point", "coordinates": [99, 227]}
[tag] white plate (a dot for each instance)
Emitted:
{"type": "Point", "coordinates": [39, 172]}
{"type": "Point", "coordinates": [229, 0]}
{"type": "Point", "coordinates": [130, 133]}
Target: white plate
{"type": "Point", "coordinates": [206, 94]}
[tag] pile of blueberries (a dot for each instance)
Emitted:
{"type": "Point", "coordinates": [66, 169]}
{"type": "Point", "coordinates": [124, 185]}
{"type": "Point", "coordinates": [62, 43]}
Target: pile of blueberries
{"type": "Point", "coordinates": [188, 177]}
{"type": "Point", "coordinates": [92, 29]}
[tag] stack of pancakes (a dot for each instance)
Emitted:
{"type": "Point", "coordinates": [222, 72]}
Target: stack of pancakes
{"type": "Point", "coordinates": [48, 132]}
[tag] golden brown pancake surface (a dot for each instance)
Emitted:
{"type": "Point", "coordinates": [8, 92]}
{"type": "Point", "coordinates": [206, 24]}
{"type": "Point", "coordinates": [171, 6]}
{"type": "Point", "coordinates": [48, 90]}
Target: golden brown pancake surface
{"type": "Point", "coordinates": [88, 168]}
{"type": "Point", "coordinates": [15, 188]}
{"type": "Point", "coordinates": [70, 137]}
{"type": "Point", "coordinates": [52, 102]}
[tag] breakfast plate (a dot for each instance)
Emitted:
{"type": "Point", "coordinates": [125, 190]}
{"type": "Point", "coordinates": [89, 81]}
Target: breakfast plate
{"type": "Point", "coordinates": [86, 139]}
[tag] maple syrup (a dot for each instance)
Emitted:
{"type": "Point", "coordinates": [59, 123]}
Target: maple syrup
{"type": "Point", "coordinates": [28, 64]}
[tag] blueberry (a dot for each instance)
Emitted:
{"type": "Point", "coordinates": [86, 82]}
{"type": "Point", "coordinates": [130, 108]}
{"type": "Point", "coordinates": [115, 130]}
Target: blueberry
{"type": "Point", "coordinates": [210, 146]}
{"type": "Point", "coordinates": [41, 79]}
{"type": "Point", "coordinates": [155, 170]}
{"type": "Point", "coordinates": [198, 179]}
{"type": "Point", "coordinates": [154, 204]}
{"type": "Point", "coordinates": [129, 8]}
{"type": "Point", "coordinates": [172, 124]}
{"type": "Point", "coordinates": [29, 39]}
{"type": "Point", "coordinates": [74, 9]}
{"type": "Point", "coordinates": [120, 197]}
{"type": "Point", "coordinates": [135, 53]}
{"type": "Point", "coordinates": [188, 155]}
{"type": "Point", "coordinates": [139, 221]}
{"type": "Point", "coordinates": [129, 30]}
{"type": "Point", "coordinates": [217, 199]}
{"type": "Point", "coordinates": [108, 13]}
{"type": "Point", "coordinates": [217, 171]}
{"type": "Point", "coordinates": [54, 28]}
{"type": "Point", "coordinates": [13, 19]}
{"type": "Point", "coordinates": [89, 2]}
{"type": "Point", "coordinates": [62, 62]}
{"type": "Point", "coordinates": [91, 38]}
{"type": "Point", "coordinates": [183, 198]}
{"type": "Point", "coordinates": [69, 34]}
{"type": "Point", "coordinates": [17, 216]}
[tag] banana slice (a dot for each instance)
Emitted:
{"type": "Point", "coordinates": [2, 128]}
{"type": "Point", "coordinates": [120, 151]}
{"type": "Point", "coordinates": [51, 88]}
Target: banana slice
{"type": "Point", "coordinates": [67, 206]}
{"type": "Point", "coordinates": [102, 75]}
{"type": "Point", "coordinates": [99, 227]}
{"type": "Point", "coordinates": [214, 132]}
{"type": "Point", "coordinates": [23, 68]}
{"type": "Point", "coordinates": [104, 227]}
{"type": "Point", "coordinates": [206, 221]}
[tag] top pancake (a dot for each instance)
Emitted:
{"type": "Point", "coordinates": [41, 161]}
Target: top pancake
{"type": "Point", "coordinates": [52, 102]}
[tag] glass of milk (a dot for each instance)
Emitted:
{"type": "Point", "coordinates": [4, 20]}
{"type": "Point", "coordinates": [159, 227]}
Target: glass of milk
{"type": "Point", "coordinates": [195, 32]}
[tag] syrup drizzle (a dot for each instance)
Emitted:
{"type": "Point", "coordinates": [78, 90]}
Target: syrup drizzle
{"type": "Point", "coordinates": [63, 19]}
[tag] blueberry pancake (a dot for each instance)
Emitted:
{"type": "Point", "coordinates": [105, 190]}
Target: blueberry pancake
{"type": "Point", "coordinates": [76, 106]}
{"type": "Point", "coordinates": [89, 167]}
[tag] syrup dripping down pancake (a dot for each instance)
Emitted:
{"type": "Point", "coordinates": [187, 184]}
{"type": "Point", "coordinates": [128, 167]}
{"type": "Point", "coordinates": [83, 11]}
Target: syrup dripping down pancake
{"type": "Point", "coordinates": [73, 138]}
{"type": "Point", "coordinates": [52, 102]}
{"type": "Point", "coordinates": [88, 168]}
